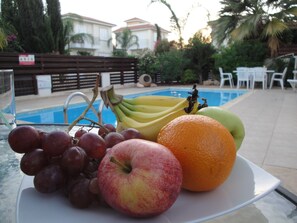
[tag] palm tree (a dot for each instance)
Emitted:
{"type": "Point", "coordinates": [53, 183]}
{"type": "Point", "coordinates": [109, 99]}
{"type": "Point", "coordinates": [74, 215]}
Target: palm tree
{"type": "Point", "coordinates": [254, 19]}
{"type": "Point", "coordinates": [174, 20]}
{"type": "Point", "coordinates": [126, 39]}
{"type": "Point", "coordinates": [70, 37]}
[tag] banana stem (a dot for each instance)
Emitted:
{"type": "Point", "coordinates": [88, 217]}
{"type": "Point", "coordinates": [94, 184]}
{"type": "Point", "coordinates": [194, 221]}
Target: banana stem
{"type": "Point", "coordinates": [109, 97]}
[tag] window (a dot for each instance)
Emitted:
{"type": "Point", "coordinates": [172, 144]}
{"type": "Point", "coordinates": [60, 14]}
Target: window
{"type": "Point", "coordinates": [104, 34]}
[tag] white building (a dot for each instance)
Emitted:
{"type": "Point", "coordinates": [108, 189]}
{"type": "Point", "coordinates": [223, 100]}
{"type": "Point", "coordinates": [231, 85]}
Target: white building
{"type": "Point", "coordinates": [101, 32]}
{"type": "Point", "coordinates": [146, 33]}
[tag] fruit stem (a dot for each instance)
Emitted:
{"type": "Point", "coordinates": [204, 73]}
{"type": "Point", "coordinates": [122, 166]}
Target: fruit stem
{"type": "Point", "coordinates": [82, 115]}
{"type": "Point", "coordinates": [126, 168]}
{"type": "Point", "coordinates": [97, 123]}
{"type": "Point", "coordinates": [109, 97]}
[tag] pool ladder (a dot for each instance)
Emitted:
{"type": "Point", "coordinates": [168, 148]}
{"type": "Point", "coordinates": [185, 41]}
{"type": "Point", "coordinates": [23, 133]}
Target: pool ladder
{"type": "Point", "coordinates": [80, 94]}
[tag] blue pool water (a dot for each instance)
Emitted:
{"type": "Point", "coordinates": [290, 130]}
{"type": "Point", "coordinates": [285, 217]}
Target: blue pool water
{"type": "Point", "coordinates": [55, 114]}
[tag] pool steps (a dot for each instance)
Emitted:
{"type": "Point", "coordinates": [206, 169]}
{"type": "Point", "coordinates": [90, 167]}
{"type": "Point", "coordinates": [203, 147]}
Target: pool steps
{"type": "Point", "coordinates": [80, 94]}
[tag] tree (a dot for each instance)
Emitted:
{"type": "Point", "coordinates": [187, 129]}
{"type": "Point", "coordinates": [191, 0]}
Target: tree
{"type": "Point", "coordinates": [9, 22]}
{"type": "Point", "coordinates": [177, 24]}
{"type": "Point", "coordinates": [126, 39]}
{"type": "Point", "coordinates": [56, 24]}
{"type": "Point", "coordinates": [175, 21]}
{"type": "Point", "coordinates": [34, 29]}
{"type": "Point", "coordinates": [9, 12]}
{"type": "Point", "coordinates": [164, 46]}
{"type": "Point", "coordinates": [171, 65]}
{"type": "Point", "coordinates": [255, 19]}
{"type": "Point", "coordinates": [200, 53]}
{"type": "Point", "coordinates": [39, 30]}
{"type": "Point", "coordinates": [158, 29]}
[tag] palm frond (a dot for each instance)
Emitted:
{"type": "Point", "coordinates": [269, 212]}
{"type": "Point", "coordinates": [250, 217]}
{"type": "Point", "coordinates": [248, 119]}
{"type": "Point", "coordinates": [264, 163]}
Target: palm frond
{"type": "Point", "coordinates": [248, 27]}
{"type": "Point", "coordinates": [241, 32]}
{"type": "Point", "coordinates": [81, 37]}
{"type": "Point", "coordinates": [221, 28]}
{"type": "Point", "coordinates": [274, 28]}
{"type": "Point", "coordinates": [292, 11]}
{"type": "Point", "coordinates": [3, 41]}
{"type": "Point", "coordinates": [126, 39]}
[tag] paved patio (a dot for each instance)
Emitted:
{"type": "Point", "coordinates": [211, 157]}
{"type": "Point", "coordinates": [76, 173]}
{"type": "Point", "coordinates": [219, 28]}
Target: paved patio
{"type": "Point", "coordinates": [269, 117]}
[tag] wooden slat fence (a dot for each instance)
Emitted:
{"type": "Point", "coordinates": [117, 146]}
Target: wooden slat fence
{"type": "Point", "coordinates": [61, 82]}
{"type": "Point", "coordinates": [120, 77]}
{"type": "Point", "coordinates": [68, 72]}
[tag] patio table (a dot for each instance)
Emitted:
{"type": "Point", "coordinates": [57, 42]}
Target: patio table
{"type": "Point", "coordinates": [269, 75]}
{"type": "Point", "coordinates": [278, 204]}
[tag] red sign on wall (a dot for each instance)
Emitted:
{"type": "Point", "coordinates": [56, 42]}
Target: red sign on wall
{"type": "Point", "coordinates": [26, 59]}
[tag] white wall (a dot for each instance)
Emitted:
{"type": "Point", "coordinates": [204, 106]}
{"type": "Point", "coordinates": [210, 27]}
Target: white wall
{"type": "Point", "coordinates": [101, 35]}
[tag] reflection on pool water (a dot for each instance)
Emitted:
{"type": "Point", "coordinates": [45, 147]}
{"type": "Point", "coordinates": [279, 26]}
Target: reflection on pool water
{"type": "Point", "coordinates": [55, 115]}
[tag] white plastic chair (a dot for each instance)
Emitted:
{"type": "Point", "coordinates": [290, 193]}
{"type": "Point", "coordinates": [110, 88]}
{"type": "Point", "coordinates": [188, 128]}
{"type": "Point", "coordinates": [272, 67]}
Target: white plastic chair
{"type": "Point", "coordinates": [226, 77]}
{"type": "Point", "coordinates": [259, 74]}
{"type": "Point", "coordinates": [243, 75]}
{"type": "Point", "coordinates": [293, 83]}
{"type": "Point", "coordinates": [278, 77]}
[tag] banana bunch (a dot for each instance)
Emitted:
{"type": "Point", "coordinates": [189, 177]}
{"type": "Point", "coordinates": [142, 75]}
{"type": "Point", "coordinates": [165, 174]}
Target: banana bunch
{"type": "Point", "coordinates": [147, 114]}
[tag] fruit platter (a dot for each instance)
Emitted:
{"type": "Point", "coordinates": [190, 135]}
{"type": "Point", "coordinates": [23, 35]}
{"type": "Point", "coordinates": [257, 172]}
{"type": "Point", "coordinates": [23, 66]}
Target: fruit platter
{"type": "Point", "coordinates": [167, 160]}
{"type": "Point", "coordinates": [234, 194]}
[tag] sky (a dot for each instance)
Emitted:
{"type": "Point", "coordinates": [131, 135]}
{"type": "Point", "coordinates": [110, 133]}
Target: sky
{"type": "Point", "coordinates": [118, 11]}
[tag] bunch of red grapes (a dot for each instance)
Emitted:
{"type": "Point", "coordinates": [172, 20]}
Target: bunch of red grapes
{"type": "Point", "coordinates": [59, 161]}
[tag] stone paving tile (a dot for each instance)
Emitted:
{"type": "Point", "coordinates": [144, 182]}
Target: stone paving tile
{"type": "Point", "coordinates": [286, 175]}
{"type": "Point", "coordinates": [270, 119]}
{"type": "Point", "coordinates": [282, 156]}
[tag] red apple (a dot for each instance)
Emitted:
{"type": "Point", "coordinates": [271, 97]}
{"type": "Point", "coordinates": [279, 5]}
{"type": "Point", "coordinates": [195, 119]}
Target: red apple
{"type": "Point", "coordinates": [139, 178]}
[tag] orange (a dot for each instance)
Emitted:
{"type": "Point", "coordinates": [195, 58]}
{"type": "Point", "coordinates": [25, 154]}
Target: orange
{"type": "Point", "coordinates": [204, 147]}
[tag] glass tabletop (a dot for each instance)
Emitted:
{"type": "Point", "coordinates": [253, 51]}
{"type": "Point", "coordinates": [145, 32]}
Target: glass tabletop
{"type": "Point", "coordinates": [274, 207]}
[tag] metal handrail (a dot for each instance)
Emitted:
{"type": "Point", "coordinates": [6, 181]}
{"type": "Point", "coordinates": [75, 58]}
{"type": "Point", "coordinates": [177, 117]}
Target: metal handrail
{"type": "Point", "coordinates": [74, 94]}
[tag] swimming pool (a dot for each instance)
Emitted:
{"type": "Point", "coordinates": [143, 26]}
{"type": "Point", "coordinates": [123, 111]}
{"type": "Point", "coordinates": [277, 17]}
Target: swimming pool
{"type": "Point", "coordinates": [55, 114]}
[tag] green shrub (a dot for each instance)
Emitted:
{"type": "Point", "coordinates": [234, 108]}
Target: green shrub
{"type": "Point", "coordinates": [200, 54]}
{"type": "Point", "coordinates": [241, 54]}
{"type": "Point", "coordinates": [189, 77]}
{"type": "Point", "coordinates": [146, 63]}
{"type": "Point", "coordinates": [171, 65]}
{"type": "Point", "coordinates": [162, 46]}
{"type": "Point", "coordinates": [119, 53]}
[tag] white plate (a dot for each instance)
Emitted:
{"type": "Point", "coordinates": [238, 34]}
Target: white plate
{"type": "Point", "coordinates": [246, 184]}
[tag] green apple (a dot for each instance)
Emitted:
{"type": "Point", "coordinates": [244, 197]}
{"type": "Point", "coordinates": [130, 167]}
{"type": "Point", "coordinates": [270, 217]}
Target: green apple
{"type": "Point", "coordinates": [228, 119]}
